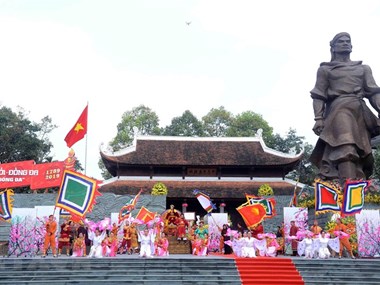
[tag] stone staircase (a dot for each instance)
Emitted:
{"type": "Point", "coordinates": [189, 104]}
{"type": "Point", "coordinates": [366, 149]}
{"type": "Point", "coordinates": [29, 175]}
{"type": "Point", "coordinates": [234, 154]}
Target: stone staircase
{"type": "Point", "coordinates": [339, 271]}
{"type": "Point", "coordinates": [132, 270]}
{"type": "Point", "coordinates": [179, 247]}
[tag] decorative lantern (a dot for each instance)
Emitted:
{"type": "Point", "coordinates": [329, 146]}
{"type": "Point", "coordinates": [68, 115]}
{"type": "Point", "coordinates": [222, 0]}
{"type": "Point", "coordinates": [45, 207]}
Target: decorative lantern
{"type": "Point", "coordinates": [221, 207]}
{"type": "Point", "coordinates": [184, 207]}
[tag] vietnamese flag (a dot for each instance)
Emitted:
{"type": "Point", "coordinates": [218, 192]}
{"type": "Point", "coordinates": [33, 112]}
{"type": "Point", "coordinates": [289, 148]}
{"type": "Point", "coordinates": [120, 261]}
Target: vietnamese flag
{"type": "Point", "coordinates": [79, 130]}
{"type": "Point", "coordinates": [252, 214]}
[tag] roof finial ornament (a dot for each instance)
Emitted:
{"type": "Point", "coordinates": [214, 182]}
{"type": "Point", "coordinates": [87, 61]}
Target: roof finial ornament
{"type": "Point", "coordinates": [259, 133]}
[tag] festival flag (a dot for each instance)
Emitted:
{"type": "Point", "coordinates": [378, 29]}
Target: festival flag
{"type": "Point", "coordinates": [64, 213]}
{"type": "Point", "coordinates": [326, 198]}
{"type": "Point", "coordinates": [252, 214]}
{"type": "Point", "coordinates": [126, 210]}
{"type": "Point", "coordinates": [353, 197]}
{"type": "Point", "coordinates": [145, 215]}
{"type": "Point", "coordinates": [77, 193]}
{"type": "Point", "coordinates": [79, 130]}
{"type": "Point", "coordinates": [204, 200]}
{"type": "Point", "coordinates": [268, 203]}
{"type": "Point", "coordinates": [6, 204]}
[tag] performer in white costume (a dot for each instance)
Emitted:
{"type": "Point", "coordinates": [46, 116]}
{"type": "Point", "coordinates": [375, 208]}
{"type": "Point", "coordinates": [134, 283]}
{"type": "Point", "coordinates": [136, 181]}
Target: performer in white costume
{"type": "Point", "coordinates": [96, 238]}
{"type": "Point", "coordinates": [306, 246]}
{"type": "Point", "coordinates": [322, 244]}
{"type": "Point", "coordinates": [323, 251]}
{"type": "Point", "coordinates": [146, 240]}
{"type": "Point", "coordinates": [248, 249]}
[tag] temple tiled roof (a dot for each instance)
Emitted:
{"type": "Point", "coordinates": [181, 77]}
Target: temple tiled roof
{"type": "Point", "coordinates": [201, 152]}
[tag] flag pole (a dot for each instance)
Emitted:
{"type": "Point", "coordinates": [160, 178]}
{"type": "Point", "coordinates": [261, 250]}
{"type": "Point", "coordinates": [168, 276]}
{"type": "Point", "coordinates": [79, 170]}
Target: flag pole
{"type": "Point", "coordinates": [85, 151]}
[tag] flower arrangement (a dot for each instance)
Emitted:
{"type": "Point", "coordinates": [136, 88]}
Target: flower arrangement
{"type": "Point", "coordinates": [306, 202]}
{"type": "Point", "coordinates": [159, 189]}
{"type": "Point", "coordinates": [372, 198]}
{"type": "Point", "coordinates": [265, 190]}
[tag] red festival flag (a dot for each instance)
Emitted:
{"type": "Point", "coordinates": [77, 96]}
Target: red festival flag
{"type": "Point", "coordinates": [145, 215]}
{"type": "Point", "coordinates": [252, 214]}
{"type": "Point", "coordinates": [326, 198]}
{"type": "Point", "coordinates": [79, 130]}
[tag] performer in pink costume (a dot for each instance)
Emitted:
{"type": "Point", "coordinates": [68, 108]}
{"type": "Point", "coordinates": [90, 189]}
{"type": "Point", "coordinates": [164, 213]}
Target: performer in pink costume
{"type": "Point", "coordinates": [162, 246]}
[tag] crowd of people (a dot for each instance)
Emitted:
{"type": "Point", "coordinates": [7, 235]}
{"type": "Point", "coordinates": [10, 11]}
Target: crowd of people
{"type": "Point", "coordinates": [148, 240]}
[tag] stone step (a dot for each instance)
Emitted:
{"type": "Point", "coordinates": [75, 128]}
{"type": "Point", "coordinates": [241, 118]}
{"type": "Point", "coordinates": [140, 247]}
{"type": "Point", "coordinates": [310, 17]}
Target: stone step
{"type": "Point", "coordinates": [126, 281]}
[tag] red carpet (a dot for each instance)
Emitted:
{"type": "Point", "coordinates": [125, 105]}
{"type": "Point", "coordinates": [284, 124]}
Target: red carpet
{"type": "Point", "coordinates": [268, 271]}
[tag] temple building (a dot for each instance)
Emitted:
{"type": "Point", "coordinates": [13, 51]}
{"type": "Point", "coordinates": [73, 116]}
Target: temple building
{"type": "Point", "coordinates": [226, 168]}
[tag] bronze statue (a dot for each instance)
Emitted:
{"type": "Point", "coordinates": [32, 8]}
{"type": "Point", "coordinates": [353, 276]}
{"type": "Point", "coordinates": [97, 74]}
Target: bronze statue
{"type": "Point", "coordinates": [343, 121]}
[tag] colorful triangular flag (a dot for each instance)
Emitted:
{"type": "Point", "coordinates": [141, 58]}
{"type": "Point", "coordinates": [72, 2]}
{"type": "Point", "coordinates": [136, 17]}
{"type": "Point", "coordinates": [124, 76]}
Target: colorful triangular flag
{"type": "Point", "coordinates": [126, 210]}
{"type": "Point", "coordinates": [204, 200]}
{"type": "Point", "coordinates": [268, 203]}
{"type": "Point", "coordinates": [6, 204]}
{"type": "Point", "coordinates": [77, 193]}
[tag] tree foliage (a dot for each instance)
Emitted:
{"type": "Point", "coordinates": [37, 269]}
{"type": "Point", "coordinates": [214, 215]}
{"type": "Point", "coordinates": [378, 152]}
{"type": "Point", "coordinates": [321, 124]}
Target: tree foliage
{"type": "Point", "coordinates": [247, 124]}
{"type": "Point", "coordinates": [142, 118]}
{"type": "Point", "coordinates": [376, 169]}
{"type": "Point", "coordinates": [217, 122]}
{"type": "Point", "coordinates": [186, 125]}
{"type": "Point", "coordinates": [292, 143]}
{"type": "Point", "coordinates": [22, 139]}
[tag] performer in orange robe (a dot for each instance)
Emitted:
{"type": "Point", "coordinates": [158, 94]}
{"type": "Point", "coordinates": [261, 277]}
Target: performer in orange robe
{"type": "Point", "coordinates": [344, 241]}
{"type": "Point", "coordinates": [315, 229]}
{"type": "Point", "coordinates": [115, 229]}
{"type": "Point", "coordinates": [51, 228]}
{"type": "Point", "coordinates": [134, 238]}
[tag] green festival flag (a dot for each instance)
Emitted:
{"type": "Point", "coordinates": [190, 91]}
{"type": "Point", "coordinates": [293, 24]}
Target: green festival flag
{"type": "Point", "coordinates": [77, 193]}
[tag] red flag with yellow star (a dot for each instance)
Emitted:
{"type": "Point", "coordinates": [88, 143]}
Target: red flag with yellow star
{"type": "Point", "coordinates": [79, 130]}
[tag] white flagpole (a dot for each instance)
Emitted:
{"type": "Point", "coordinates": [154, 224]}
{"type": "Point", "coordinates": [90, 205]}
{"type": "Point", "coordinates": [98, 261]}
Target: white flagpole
{"type": "Point", "coordinates": [85, 152]}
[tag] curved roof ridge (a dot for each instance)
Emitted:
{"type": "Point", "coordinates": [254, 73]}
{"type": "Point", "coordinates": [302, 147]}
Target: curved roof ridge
{"type": "Point", "coordinates": [129, 149]}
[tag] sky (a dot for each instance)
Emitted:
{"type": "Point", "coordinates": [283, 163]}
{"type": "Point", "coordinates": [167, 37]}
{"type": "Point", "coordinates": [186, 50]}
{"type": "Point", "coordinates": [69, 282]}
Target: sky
{"type": "Point", "coordinates": [261, 56]}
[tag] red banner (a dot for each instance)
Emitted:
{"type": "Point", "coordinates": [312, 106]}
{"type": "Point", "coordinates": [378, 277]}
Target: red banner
{"type": "Point", "coordinates": [27, 173]}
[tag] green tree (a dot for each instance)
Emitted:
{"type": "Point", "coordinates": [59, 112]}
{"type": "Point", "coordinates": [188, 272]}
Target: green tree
{"type": "Point", "coordinates": [186, 125]}
{"type": "Point", "coordinates": [376, 167]}
{"type": "Point", "coordinates": [140, 117]}
{"type": "Point", "coordinates": [247, 124]}
{"type": "Point", "coordinates": [292, 143]}
{"type": "Point", "coordinates": [22, 139]}
{"type": "Point", "coordinates": [217, 122]}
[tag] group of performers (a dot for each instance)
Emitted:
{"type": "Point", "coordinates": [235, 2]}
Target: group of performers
{"type": "Point", "coordinates": [316, 243]}
{"type": "Point", "coordinates": [151, 240]}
